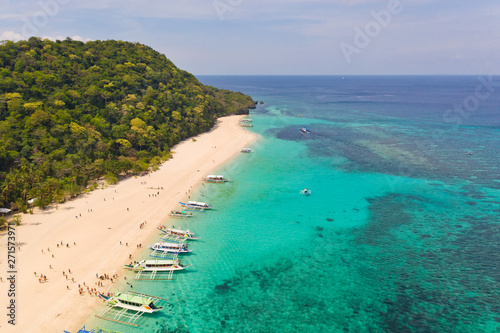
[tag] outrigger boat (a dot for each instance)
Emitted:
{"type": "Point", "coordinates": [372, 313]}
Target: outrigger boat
{"type": "Point", "coordinates": [305, 130]}
{"type": "Point", "coordinates": [132, 301]}
{"type": "Point", "coordinates": [180, 213]}
{"type": "Point", "coordinates": [246, 125]}
{"type": "Point", "coordinates": [196, 205]}
{"type": "Point", "coordinates": [157, 269]}
{"type": "Point", "coordinates": [246, 120]}
{"type": "Point", "coordinates": [216, 179]}
{"type": "Point", "coordinates": [185, 234]}
{"type": "Point", "coordinates": [127, 308]}
{"type": "Point", "coordinates": [246, 150]}
{"type": "Point", "coordinates": [157, 265]}
{"type": "Point", "coordinates": [170, 247]}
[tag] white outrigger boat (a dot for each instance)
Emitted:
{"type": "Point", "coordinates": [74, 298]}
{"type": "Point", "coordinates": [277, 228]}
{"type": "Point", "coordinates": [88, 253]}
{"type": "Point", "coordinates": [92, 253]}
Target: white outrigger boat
{"type": "Point", "coordinates": [157, 265]}
{"type": "Point", "coordinates": [180, 213]}
{"type": "Point", "coordinates": [246, 125]}
{"type": "Point", "coordinates": [132, 301]}
{"type": "Point", "coordinates": [216, 179]}
{"type": "Point", "coordinates": [156, 269]}
{"type": "Point", "coordinates": [246, 120]}
{"type": "Point", "coordinates": [196, 205]}
{"type": "Point", "coordinates": [170, 247]}
{"type": "Point", "coordinates": [246, 150]}
{"type": "Point", "coordinates": [183, 234]}
{"type": "Point", "coordinates": [127, 308]}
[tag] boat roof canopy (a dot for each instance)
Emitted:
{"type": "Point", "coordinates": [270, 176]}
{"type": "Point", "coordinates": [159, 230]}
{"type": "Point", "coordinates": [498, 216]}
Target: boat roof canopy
{"type": "Point", "coordinates": [180, 231]}
{"type": "Point", "coordinates": [160, 261]}
{"type": "Point", "coordinates": [196, 203]}
{"type": "Point", "coordinates": [170, 244]}
{"type": "Point", "coordinates": [133, 298]}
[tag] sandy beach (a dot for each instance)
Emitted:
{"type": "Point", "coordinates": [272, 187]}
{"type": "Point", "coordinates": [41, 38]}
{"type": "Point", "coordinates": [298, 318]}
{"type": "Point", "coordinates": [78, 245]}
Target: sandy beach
{"type": "Point", "coordinates": [75, 242]}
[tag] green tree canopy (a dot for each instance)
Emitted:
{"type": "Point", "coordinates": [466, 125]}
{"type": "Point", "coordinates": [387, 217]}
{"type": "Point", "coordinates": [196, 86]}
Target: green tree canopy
{"type": "Point", "coordinates": [71, 112]}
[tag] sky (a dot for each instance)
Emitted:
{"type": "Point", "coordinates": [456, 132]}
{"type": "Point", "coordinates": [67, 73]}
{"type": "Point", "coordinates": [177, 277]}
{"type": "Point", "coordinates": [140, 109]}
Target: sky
{"type": "Point", "coordinates": [281, 37]}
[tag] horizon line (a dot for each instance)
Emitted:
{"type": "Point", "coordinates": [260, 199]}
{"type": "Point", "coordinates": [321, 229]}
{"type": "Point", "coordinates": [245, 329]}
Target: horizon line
{"type": "Point", "coordinates": [346, 75]}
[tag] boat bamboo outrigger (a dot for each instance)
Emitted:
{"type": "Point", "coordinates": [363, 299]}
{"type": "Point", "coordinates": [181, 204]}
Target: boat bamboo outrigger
{"type": "Point", "coordinates": [246, 150]}
{"type": "Point", "coordinates": [180, 213]}
{"type": "Point", "coordinates": [215, 179]}
{"type": "Point", "coordinates": [195, 205]}
{"type": "Point", "coordinates": [128, 307]}
{"type": "Point", "coordinates": [246, 120]}
{"type": "Point", "coordinates": [170, 247]}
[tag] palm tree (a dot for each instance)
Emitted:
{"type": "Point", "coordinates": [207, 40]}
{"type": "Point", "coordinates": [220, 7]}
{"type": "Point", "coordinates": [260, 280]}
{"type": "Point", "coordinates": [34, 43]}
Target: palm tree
{"type": "Point", "coordinates": [6, 189]}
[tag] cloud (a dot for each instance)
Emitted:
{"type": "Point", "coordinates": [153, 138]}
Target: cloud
{"type": "Point", "coordinates": [75, 37]}
{"type": "Point", "coordinates": [11, 35]}
{"type": "Point", "coordinates": [426, 34]}
{"type": "Point", "coordinates": [14, 36]}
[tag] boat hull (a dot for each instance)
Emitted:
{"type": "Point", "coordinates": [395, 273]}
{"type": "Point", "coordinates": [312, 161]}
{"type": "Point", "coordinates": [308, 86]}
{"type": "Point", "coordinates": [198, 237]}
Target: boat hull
{"type": "Point", "coordinates": [216, 181]}
{"type": "Point", "coordinates": [170, 249]}
{"type": "Point", "coordinates": [188, 205]}
{"type": "Point", "coordinates": [143, 308]}
{"type": "Point", "coordinates": [158, 269]}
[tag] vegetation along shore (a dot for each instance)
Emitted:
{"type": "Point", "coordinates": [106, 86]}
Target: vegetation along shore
{"type": "Point", "coordinates": [72, 112]}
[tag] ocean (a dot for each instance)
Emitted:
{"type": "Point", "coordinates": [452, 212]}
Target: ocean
{"type": "Point", "coordinates": [401, 231]}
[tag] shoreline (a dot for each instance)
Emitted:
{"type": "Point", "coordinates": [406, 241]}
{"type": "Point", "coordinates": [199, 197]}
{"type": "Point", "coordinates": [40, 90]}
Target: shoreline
{"type": "Point", "coordinates": [74, 242]}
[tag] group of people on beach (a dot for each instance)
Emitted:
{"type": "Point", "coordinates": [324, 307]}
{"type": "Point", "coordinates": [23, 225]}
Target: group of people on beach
{"type": "Point", "coordinates": [106, 276]}
{"type": "Point", "coordinates": [81, 289]}
{"type": "Point", "coordinates": [42, 278]}
{"type": "Point", "coordinates": [90, 291]}
{"type": "Point", "coordinates": [94, 291]}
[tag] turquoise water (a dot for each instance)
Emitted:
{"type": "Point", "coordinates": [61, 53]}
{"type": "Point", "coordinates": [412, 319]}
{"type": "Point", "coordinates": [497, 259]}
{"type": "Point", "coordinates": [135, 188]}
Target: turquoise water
{"type": "Point", "coordinates": [400, 234]}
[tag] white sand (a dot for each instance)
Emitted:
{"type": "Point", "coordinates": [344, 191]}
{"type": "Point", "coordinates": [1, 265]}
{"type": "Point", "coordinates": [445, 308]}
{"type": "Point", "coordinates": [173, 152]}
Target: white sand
{"type": "Point", "coordinates": [117, 212]}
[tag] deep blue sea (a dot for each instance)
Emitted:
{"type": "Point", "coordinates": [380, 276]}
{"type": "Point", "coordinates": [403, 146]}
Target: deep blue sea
{"type": "Point", "coordinates": [401, 232]}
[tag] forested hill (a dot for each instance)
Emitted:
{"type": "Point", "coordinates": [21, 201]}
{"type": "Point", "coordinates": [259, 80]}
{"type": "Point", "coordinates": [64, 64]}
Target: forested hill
{"type": "Point", "coordinates": [71, 112]}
